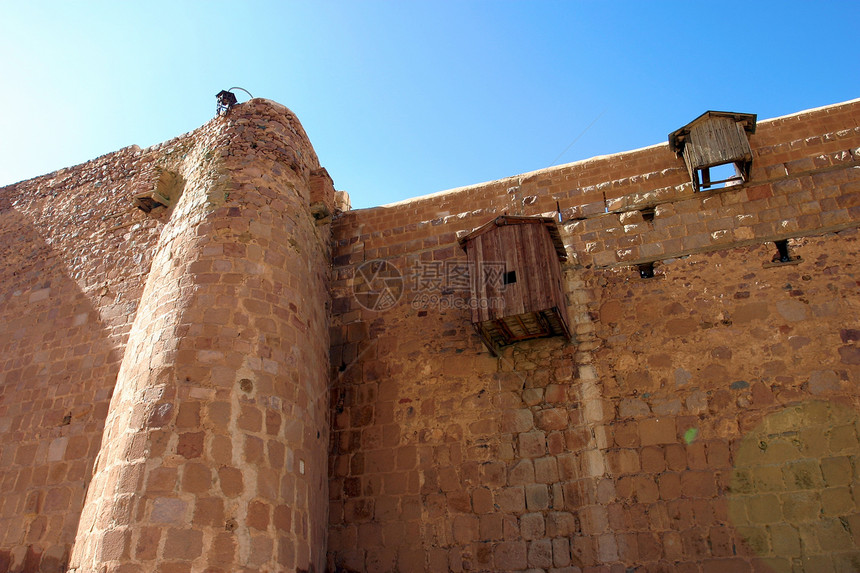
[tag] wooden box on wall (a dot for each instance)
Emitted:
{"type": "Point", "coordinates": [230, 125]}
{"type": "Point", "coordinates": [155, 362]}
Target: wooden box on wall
{"type": "Point", "coordinates": [516, 280]}
{"type": "Point", "coordinates": [715, 138]}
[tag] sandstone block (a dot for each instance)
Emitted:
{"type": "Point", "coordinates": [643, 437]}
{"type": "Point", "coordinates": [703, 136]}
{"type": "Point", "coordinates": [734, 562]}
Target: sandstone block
{"type": "Point", "coordinates": [466, 528]}
{"type": "Point", "coordinates": [551, 419]}
{"type": "Point", "coordinates": [185, 544]}
{"type": "Point", "coordinates": [511, 499]}
{"type": "Point", "coordinates": [532, 526]}
{"type": "Point", "coordinates": [540, 553]}
{"type": "Point", "coordinates": [537, 497]}
{"type": "Point", "coordinates": [510, 555]}
{"type": "Point", "coordinates": [561, 552]}
{"type": "Point", "coordinates": [517, 421]}
{"type": "Point", "coordinates": [560, 524]}
{"type": "Point", "coordinates": [546, 469]}
{"type": "Point", "coordinates": [654, 431]}
{"type": "Point", "coordinates": [532, 444]}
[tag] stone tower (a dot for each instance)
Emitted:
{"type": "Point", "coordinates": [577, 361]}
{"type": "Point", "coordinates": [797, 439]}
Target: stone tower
{"type": "Point", "coordinates": [215, 444]}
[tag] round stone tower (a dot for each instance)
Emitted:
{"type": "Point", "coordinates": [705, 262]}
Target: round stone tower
{"type": "Point", "coordinates": [214, 454]}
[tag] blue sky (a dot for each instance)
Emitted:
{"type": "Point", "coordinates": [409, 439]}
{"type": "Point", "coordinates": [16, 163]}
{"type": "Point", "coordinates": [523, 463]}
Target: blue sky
{"type": "Point", "coordinates": [401, 99]}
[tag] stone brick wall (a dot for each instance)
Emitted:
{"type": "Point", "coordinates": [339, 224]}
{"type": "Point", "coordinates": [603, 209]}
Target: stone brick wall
{"type": "Point", "coordinates": [241, 382]}
{"type": "Point", "coordinates": [191, 434]}
{"type": "Point", "coordinates": [684, 406]}
{"type": "Point", "coordinates": [75, 256]}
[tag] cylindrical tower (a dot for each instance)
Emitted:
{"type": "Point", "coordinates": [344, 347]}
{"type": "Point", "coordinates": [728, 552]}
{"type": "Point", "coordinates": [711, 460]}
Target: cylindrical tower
{"type": "Point", "coordinates": [215, 447]}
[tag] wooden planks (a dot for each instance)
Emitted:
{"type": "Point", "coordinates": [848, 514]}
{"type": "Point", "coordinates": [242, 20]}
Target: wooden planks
{"type": "Point", "coordinates": [716, 142]}
{"type": "Point", "coordinates": [529, 250]}
{"type": "Point", "coordinates": [712, 139]}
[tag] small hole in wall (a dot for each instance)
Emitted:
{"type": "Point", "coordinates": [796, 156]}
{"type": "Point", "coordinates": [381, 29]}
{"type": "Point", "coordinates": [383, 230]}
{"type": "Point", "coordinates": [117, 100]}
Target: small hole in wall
{"type": "Point", "coordinates": [647, 214]}
{"type": "Point", "coordinates": [510, 277]}
{"type": "Point", "coordinates": [646, 270]}
{"type": "Point", "coordinates": [246, 385]}
{"type": "Point", "coordinates": [782, 255]}
{"type": "Point", "coordinates": [231, 525]}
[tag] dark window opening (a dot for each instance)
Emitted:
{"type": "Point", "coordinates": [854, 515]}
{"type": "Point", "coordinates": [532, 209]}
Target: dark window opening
{"type": "Point", "coordinates": [647, 214]}
{"type": "Point", "coordinates": [510, 277]}
{"type": "Point", "coordinates": [782, 255]}
{"type": "Point", "coordinates": [646, 270]}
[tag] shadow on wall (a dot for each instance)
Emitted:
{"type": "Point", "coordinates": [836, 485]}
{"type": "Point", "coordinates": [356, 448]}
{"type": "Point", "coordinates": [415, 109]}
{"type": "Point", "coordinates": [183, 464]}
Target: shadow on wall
{"type": "Point", "coordinates": [791, 488]}
{"type": "Point", "coordinates": [59, 367]}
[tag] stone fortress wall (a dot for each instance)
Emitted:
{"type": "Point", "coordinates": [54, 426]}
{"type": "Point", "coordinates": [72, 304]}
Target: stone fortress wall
{"type": "Point", "coordinates": [164, 397]}
{"type": "Point", "coordinates": [702, 420]}
{"type": "Point", "coordinates": [200, 387]}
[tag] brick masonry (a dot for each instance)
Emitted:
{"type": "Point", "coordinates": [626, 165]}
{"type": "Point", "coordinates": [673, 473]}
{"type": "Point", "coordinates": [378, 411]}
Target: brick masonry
{"type": "Point", "coordinates": [216, 386]}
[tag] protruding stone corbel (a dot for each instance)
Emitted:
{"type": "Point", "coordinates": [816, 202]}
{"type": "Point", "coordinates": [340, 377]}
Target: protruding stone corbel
{"type": "Point", "coordinates": [322, 196]}
{"type": "Point", "coordinates": [166, 189]}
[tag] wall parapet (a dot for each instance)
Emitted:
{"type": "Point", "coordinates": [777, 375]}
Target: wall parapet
{"type": "Point", "coordinates": [804, 181]}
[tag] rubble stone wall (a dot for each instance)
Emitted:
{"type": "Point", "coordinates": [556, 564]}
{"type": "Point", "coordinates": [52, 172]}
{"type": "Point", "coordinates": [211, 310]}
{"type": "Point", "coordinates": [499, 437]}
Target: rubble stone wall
{"type": "Point", "coordinates": [701, 420]}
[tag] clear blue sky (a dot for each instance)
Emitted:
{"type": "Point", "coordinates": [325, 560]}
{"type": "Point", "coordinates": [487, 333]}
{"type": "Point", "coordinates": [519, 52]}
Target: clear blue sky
{"type": "Point", "coordinates": [406, 98]}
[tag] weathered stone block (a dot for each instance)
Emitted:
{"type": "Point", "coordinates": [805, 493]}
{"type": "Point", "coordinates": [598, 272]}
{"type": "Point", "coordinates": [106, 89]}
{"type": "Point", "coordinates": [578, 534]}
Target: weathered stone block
{"type": "Point", "coordinates": [653, 431]}
{"type": "Point", "coordinates": [532, 526]}
{"type": "Point", "coordinates": [511, 499]}
{"type": "Point", "coordinates": [510, 555]}
{"type": "Point", "coordinates": [532, 444]}
{"type": "Point", "coordinates": [546, 469]}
